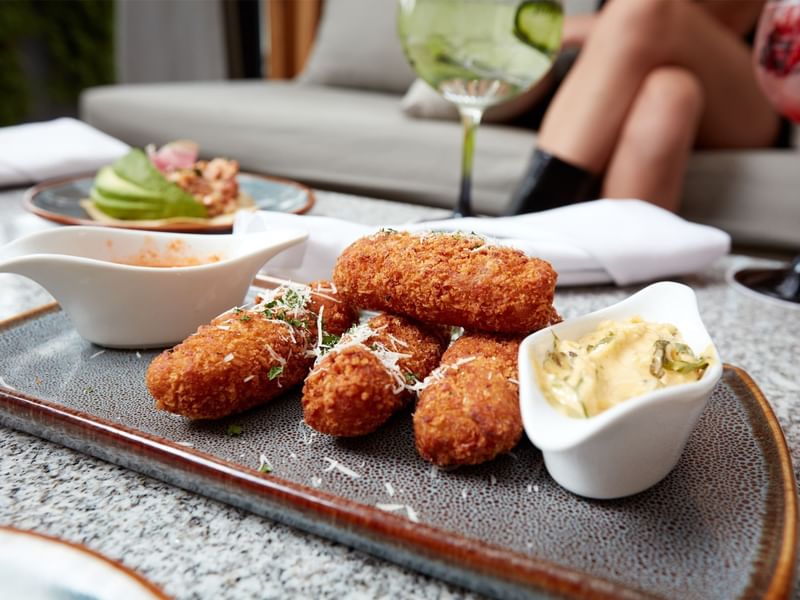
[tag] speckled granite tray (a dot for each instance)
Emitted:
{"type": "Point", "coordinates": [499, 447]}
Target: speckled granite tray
{"type": "Point", "coordinates": [723, 524]}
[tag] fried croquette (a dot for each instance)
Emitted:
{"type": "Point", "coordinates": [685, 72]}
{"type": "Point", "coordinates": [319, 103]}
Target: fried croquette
{"type": "Point", "coordinates": [246, 357]}
{"type": "Point", "coordinates": [369, 375]}
{"type": "Point", "coordinates": [337, 315]}
{"type": "Point", "coordinates": [449, 279]}
{"type": "Point", "coordinates": [468, 410]}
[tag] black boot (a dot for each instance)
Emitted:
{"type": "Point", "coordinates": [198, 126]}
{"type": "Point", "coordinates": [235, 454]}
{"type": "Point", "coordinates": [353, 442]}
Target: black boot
{"type": "Point", "coordinates": [551, 182]}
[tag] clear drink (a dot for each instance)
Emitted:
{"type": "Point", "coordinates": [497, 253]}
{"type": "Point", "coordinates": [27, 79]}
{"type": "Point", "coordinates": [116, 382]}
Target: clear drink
{"type": "Point", "coordinates": [477, 53]}
{"type": "Point", "coordinates": [468, 50]}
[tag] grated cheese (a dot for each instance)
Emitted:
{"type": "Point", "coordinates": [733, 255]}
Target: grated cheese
{"type": "Point", "coordinates": [389, 488]}
{"type": "Point", "coordinates": [249, 378]}
{"type": "Point", "coordinates": [358, 336]}
{"type": "Point", "coordinates": [308, 434]}
{"type": "Point", "coordinates": [263, 461]}
{"type": "Point", "coordinates": [410, 512]}
{"type": "Point", "coordinates": [228, 357]}
{"type": "Point", "coordinates": [96, 354]}
{"type": "Point", "coordinates": [275, 355]}
{"type": "Point", "coordinates": [334, 464]}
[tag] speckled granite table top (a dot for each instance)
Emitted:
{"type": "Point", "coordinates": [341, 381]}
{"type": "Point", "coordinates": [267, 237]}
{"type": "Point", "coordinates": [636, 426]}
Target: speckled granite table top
{"type": "Point", "coordinates": [197, 548]}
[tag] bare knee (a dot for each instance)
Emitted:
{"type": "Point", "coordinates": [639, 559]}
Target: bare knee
{"type": "Point", "coordinates": [666, 113]}
{"type": "Point", "coordinates": [644, 28]}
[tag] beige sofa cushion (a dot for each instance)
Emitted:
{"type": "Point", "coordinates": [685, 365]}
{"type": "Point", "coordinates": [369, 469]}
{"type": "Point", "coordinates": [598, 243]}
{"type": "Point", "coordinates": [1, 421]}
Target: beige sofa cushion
{"type": "Point", "coordinates": [357, 47]}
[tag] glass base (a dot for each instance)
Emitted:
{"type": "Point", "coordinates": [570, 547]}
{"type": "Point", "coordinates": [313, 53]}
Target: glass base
{"type": "Point", "coordinates": [781, 283]}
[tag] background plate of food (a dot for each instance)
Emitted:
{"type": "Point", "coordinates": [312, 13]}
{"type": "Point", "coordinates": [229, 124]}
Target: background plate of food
{"type": "Point", "coordinates": [167, 189]}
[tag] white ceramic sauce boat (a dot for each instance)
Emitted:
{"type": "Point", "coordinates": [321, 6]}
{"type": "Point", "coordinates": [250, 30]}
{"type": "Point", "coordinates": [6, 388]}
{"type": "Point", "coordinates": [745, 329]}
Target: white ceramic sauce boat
{"type": "Point", "coordinates": [128, 306]}
{"type": "Point", "coordinates": [635, 444]}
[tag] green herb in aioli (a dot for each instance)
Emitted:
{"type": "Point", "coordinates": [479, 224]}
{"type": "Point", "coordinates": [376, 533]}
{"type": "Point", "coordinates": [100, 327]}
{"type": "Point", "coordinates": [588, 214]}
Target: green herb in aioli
{"type": "Point", "coordinates": [274, 372]}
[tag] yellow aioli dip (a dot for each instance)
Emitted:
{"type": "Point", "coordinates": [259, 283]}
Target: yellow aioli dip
{"type": "Point", "coordinates": [618, 361]}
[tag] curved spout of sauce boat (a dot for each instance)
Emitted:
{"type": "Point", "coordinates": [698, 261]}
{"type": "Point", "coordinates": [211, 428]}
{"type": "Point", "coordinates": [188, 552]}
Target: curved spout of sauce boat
{"type": "Point", "coordinates": [135, 289]}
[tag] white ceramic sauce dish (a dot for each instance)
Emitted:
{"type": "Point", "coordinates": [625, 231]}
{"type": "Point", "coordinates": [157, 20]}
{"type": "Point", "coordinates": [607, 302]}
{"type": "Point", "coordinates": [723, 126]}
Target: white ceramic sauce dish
{"type": "Point", "coordinates": [132, 306]}
{"type": "Point", "coordinates": [635, 444]}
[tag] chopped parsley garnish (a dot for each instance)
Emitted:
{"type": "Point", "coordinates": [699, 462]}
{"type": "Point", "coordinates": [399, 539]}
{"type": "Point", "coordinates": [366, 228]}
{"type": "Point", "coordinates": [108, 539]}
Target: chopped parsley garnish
{"type": "Point", "coordinates": [329, 340]}
{"type": "Point", "coordinates": [234, 430]}
{"type": "Point", "coordinates": [244, 317]}
{"type": "Point", "coordinates": [411, 378]}
{"type": "Point", "coordinates": [274, 372]}
{"type": "Point", "coordinates": [265, 467]}
{"type": "Point", "coordinates": [282, 316]}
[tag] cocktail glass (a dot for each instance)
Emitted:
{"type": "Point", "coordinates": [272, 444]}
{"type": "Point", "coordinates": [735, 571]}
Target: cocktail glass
{"type": "Point", "coordinates": [477, 53]}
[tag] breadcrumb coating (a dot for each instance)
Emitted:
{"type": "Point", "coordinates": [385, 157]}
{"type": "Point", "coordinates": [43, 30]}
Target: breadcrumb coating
{"type": "Point", "coordinates": [370, 375]}
{"type": "Point", "coordinates": [448, 279]}
{"type": "Point", "coordinates": [468, 411]}
{"type": "Point", "coordinates": [246, 357]}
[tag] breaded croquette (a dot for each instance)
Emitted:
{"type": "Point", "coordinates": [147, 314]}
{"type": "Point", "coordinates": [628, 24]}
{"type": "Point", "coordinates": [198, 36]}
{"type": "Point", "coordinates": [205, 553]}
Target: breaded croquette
{"type": "Point", "coordinates": [448, 279]}
{"type": "Point", "coordinates": [247, 356]}
{"type": "Point", "coordinates": [369, 375]}
{"type": "Point", "coordinates": [337, 315]}
{"type": "Point", "coordinates": [468, 410]}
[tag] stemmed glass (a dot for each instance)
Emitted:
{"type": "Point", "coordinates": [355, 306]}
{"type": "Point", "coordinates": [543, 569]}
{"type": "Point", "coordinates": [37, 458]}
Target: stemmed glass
{"type": "Point", "coordinates": [477, 53]}
{"type": "Point", "coordinates": [776, 59]}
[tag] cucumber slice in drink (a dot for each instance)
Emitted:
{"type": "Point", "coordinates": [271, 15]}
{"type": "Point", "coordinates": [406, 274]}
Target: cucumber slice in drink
{"type": "Point", "coordinates": [538, 23]}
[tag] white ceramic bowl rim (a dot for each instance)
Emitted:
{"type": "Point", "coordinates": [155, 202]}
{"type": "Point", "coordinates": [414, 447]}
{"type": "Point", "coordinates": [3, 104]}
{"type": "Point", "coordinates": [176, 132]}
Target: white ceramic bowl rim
{"type": "Point", "coordinates": [574, 431]}
{"type": "Point", "coordinates": [240, 240]}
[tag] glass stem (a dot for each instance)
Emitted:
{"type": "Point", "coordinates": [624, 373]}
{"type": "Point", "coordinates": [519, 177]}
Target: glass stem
{"type": "Point", "coordinates": [470, 119]}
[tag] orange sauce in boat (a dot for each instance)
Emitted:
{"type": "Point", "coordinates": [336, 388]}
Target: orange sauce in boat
{"type": "Point", "coordinates": [176, 254]}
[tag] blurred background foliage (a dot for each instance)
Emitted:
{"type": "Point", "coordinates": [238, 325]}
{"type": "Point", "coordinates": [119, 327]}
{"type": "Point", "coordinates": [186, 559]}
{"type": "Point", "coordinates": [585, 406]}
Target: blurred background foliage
{"type": "Point", "coordinates": [50, 50]}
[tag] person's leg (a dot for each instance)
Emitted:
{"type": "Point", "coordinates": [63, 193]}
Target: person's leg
{"type": "Point", "coordinates": [632, 38]}
{"type": "Point", "coordinates": [657, 136]}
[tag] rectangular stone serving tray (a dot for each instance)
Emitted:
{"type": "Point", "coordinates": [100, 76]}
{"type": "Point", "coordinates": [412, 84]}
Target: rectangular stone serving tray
{"type": "Point", "coordinates": [723, 524]}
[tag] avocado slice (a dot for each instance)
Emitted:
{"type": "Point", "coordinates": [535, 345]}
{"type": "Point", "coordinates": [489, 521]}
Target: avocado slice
{"type": "Point", "coordinates": [111, 185]}
{"type": "Point", "coordinates": [127, 209]}
{"type": "Point", "coordinates": [136, 168]}
{"type": "Point", "coordinates": [133, 188]}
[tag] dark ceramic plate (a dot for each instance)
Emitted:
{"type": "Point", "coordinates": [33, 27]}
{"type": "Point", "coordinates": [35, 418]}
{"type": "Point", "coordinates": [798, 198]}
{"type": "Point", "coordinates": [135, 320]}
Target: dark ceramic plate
{"type": "Point", "coordinates": [59, 200]}
{"type": "Point", "coordinates": [723, 524]}
{"type": "Point", "coordinates": [73, 571]}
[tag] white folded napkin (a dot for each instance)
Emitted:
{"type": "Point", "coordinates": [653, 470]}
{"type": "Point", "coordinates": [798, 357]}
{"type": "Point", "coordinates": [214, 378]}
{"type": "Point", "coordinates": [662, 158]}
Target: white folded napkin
{"type": "Point", "coordinates": [37, 151]}
{"type": "Point", "coordinates": [603, 241]}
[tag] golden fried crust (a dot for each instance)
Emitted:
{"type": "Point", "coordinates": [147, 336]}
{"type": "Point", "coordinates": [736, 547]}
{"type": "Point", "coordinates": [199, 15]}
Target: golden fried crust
{"type": "Point", "coordinates": [468, 413]}
{"type": "Point", "coordinates": [241, 359]}
{"type": "Point", "coordinates": [504, 347]}
{"type": "Point", "coordinates": [448, 279]}
{"type": "Point", "coordinates": [350, 392]}
{"type": "Point", "coordinates": [218, 372]}
{"type": "Point", "coordinates": [423, 344]}
{"type": "Point", "coordinates": [337, 315]}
